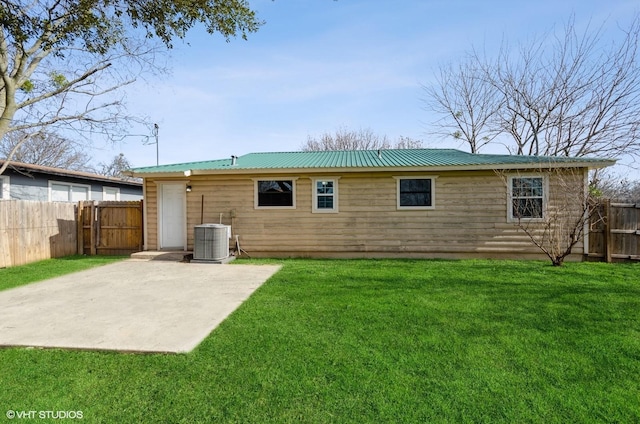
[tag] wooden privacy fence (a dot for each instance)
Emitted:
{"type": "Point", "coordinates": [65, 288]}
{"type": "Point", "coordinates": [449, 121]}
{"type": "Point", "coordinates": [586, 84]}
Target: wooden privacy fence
{"type": "Point", "coordinates": [32, 231]}
{"type": "Point", "coordinates": [614, 232]}
{"type": "Point", "coordinates": [109, 228]}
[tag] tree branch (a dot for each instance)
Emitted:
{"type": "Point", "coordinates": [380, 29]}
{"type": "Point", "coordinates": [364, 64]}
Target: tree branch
{"type": "Point", "coordinates": [63, 88]}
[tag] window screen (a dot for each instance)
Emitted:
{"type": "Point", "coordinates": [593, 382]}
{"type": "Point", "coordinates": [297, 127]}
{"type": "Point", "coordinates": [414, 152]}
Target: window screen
{"type": "Point", "coordinates": [275, 193]}
{"type": "Point", "coordinates": [527, 196]}
{"type": "Point", "coordinates": [415, 192]}
{"type": "Point", "coordinates": [324, 194]}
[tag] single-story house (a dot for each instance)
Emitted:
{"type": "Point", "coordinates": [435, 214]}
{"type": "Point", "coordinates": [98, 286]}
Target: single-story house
{"type": "Point", "coordinates": [386, 203]}
{"type": "Point", "coordinates": [22, 181]}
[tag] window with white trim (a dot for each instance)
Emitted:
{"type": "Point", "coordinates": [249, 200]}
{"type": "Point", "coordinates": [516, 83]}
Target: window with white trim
{"type": "Point", "coordinates": [110, 193]}
{"type": "Point", "coordinates": [4, 187]}
{"type": "Point", "coordinates": [526, 197]}
{"type": "Point", "coordinates": [415, 193]}
{"type": "Point", "coordinates": [325, 195]}
{"type": "Point", "coordinates": [66, 192]}
{"type": "Point", "coordinates": [275, 194]}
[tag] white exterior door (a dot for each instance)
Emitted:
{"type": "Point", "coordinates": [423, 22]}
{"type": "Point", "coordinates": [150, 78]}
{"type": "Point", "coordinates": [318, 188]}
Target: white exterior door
{"type": "Point", "coordinates": [173, 222]}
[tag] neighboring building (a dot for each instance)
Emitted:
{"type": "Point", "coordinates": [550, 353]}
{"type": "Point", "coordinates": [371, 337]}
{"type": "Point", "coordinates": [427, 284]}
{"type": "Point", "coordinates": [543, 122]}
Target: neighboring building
{"type": "Point", "coordinates": [22, 181]}
{"type": "Point", "coordinates": [388, 203]}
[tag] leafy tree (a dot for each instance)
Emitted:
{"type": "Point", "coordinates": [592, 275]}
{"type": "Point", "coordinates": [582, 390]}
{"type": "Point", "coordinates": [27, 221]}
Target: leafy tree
{"type": "Point", "coordinates": [46, 149]}
{"type": "Point", "coordinates": [362, 139]}
{"type": "Point", "coordinates": [570, 94]}
{"type": "Point", "coordinates": [62, 62]}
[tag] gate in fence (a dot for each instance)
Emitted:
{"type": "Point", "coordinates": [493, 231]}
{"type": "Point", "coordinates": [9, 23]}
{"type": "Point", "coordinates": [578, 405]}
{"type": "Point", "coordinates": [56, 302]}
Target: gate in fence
{"type": "Point", "coordinates": [110, 228]}
{"type": "Point", "coordinates": [614, 233]}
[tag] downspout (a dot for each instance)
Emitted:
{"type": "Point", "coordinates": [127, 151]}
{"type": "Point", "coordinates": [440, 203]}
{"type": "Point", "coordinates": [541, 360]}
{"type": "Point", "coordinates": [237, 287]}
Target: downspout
{"type": "Point", "coordinates": [587, 219]}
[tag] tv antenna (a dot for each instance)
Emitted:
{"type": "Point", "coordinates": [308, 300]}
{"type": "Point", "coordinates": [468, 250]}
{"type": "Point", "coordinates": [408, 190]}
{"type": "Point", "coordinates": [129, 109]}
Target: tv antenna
{"type": "Point", "coordinates": [154, 132]}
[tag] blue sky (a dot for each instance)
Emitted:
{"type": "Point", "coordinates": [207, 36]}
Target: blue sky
{"type": "Point", "coordinates": [319, 65]}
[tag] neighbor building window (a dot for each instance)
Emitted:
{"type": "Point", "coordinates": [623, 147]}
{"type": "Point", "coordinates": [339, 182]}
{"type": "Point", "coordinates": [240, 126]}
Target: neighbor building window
{"type": "Point", "coordinates": [110, 193]}
{"type": "Point", "coordinates": [275, 194]}
{"type": "Point", "coordinates": [64, 192]}
{"type": "Point", "coordinates": [415, 193]}
{"type": "Point", "coordinates": [325, 195]}
{"type": "Point", "coordinates": [527, 197]}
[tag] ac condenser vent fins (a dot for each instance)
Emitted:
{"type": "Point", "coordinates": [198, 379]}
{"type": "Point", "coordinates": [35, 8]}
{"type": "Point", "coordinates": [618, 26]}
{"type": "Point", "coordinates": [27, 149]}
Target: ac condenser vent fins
{"type": "Point", "coordinates": [211, 242]}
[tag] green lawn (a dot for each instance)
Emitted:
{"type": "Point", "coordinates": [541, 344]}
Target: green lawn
{"type": "Point", "coordinates": [37, 271]}
{"type": "Point", "coordinates": [376, 341]}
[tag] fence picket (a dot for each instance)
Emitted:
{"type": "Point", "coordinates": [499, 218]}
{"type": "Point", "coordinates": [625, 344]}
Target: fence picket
{"type": "Point", "coordinates": [616, 236]}
{"type": "Point", "coordinates": [115, 228]}
{"type": "Point", "coordinates": [31, 230]}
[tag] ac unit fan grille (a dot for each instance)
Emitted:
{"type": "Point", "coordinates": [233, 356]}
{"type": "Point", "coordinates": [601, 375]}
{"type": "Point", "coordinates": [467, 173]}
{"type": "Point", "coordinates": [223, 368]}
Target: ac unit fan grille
{"type": "Point", "coordinates": [211, 242]}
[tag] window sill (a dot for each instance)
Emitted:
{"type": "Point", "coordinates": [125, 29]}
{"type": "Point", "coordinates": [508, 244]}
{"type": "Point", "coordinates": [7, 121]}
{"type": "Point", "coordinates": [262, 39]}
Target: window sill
{"type": "Point", "coordinates": [415, 208]}
{"type": "Point", "coordinates": [512, 220]}
{"type": "Point", "coordinates": [273, 207]}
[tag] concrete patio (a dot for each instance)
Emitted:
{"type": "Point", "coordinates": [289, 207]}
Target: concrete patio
{"type": "Point", "coordinates": [134, 305]}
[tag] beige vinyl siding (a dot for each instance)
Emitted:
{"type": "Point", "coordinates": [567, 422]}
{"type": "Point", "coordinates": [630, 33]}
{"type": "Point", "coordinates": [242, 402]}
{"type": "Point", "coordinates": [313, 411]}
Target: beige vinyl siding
{"type": "Point", "coordinates": [151, 214]}
{"type": "Point", "coordinates": [469, 218]}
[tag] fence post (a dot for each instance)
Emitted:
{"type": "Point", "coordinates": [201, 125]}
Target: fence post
{"type": "Point", "coordinates": [92, 229]}
{"type": "Point", "coordinates": [607, 231]}
{"type": "Point", "coordinates": [80, 229]}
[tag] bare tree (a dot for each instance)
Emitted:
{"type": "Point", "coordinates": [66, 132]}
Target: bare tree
{"type": "Point", "coordinates": [554, 208]}
{"type": "Point", "coordinates": [362, 139]}
{"type": "Point", "coordinates": [407, 143]}
{"type": "Point", "coordinates": [607, 185]}
{"type": "Point", "coordinates": [46, 149]}
{"type": "Point", "coordinates": [566, 95]}
{"type": "Point", "coordinates": [116, 167]}
{"type": "Point", "coordinates": [466, 104]}
{"type": "Point", "coordinates": [63, 63]}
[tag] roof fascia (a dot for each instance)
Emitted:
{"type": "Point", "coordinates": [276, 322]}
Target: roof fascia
{"type": "Point", "coordinates": [78, 175]}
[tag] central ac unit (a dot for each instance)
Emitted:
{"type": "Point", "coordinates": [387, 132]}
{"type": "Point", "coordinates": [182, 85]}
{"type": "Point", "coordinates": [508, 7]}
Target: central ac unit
{"type": "Point", "coordinates": [211, 242]}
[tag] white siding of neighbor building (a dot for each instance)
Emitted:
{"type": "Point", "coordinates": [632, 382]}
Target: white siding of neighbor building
{"type": "Point", "coordinates": [39, 187]}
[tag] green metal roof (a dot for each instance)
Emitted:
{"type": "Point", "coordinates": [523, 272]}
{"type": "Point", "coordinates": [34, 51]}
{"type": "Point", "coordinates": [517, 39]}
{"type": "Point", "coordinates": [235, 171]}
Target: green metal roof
{"type": "Point", "coordinates": [363, 159]}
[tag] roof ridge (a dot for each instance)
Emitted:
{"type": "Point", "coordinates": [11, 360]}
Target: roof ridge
{"type": "Point", "coordinates": [355, 150]}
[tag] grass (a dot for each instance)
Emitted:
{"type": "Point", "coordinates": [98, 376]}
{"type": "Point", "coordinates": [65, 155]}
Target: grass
{"type": "Point", "coordinates": [376, 341]}
{"type": "Point", "coordinates": [49, 268]}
